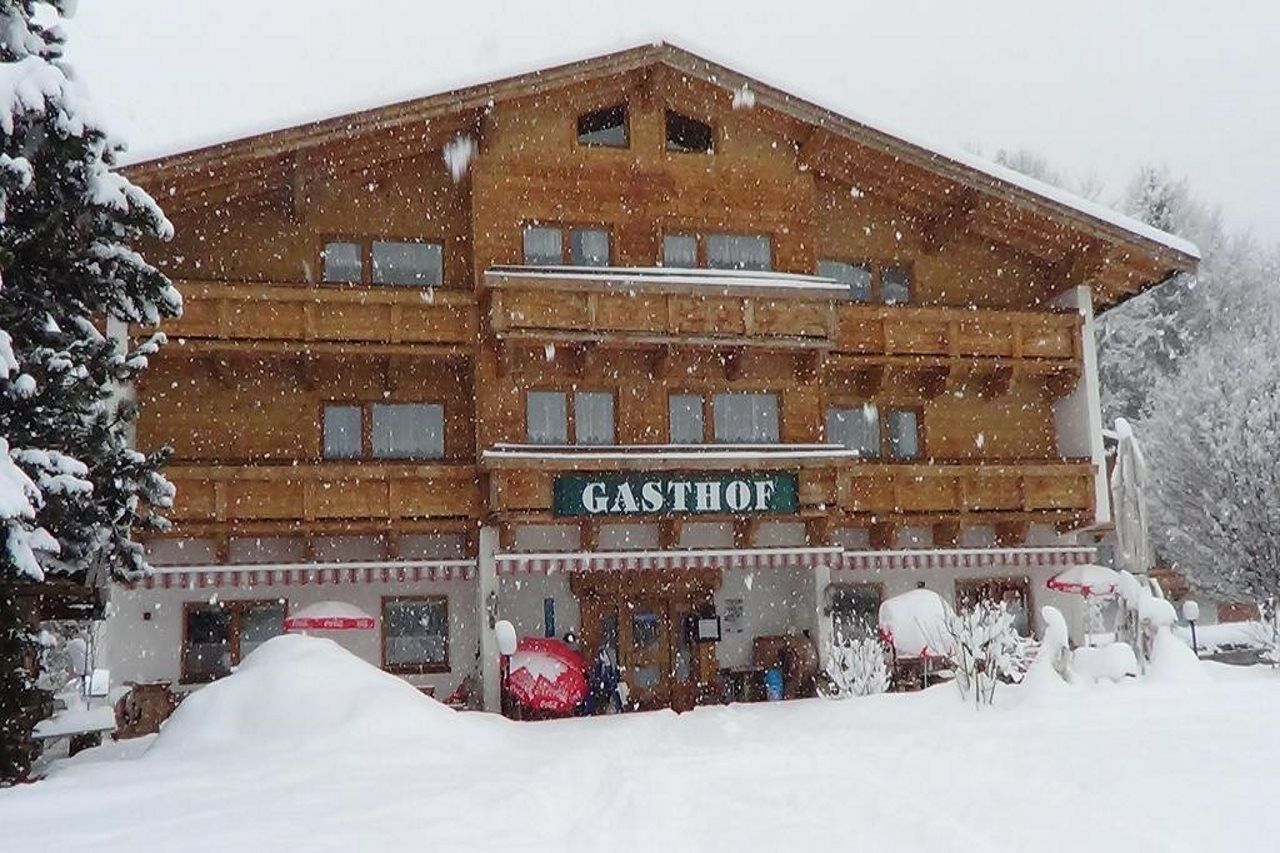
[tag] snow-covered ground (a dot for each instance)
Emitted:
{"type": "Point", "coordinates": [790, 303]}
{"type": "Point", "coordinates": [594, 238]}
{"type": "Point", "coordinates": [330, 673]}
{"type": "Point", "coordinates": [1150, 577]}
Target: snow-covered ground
{"type": "Point", "coordinates": [308, 748]}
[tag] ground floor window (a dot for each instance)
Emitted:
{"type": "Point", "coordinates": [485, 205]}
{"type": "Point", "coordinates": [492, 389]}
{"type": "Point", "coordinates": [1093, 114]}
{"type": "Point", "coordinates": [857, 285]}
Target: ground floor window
{"type": "Point", "coordinates": [415, 634]}
{"type": "Point", "coordinates": [1016, 592]}
{"type": "Point", "coordinates": [854, 609]}
{"type": "Point", "coordinates": [216, 637]}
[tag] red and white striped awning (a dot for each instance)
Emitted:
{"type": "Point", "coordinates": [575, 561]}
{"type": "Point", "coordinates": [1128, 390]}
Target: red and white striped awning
{"type": "Point", "coordinates": [748, 559]}
{"type": "Point", "coordinates": [963, 558]}
{"type": "Point", "coordinates": [304, 574]}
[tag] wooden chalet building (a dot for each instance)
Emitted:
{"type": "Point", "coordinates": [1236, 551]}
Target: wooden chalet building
{"type": "Point", "coordinates": [605, 347]}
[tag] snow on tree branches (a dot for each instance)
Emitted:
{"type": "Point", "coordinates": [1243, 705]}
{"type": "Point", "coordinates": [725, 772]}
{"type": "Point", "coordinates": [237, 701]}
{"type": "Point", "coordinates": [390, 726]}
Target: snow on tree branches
{"type": "Point", "coordinates": [72, 490]}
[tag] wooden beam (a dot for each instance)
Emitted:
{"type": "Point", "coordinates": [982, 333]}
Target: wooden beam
{"type": "Point", "coordinates": [952, 221]}
{"type": "Point", "coordinates": [1081, 266]}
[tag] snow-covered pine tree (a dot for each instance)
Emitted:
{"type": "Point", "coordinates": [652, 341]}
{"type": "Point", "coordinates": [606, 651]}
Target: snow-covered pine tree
{"type": "Point", "coordinates": [71, 488]}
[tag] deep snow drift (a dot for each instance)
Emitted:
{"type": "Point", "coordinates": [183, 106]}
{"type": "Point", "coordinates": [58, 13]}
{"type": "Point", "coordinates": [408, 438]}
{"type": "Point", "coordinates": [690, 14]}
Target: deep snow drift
{"type": "Point", "coordinates": [308, 748]}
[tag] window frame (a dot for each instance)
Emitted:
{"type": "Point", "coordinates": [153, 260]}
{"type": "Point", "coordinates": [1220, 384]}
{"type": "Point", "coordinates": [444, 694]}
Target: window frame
{"type": "Point", "coordinates": [712, 132]}
{"type": "Point", "coordinates": [877, 268]}
{"type": "Point", "coordinates": [885, 443]}
{"type": "Point", "coordinates": [700, 235]}
{"type": "Point", "coordinates": [1002, 583]}
{"type": "Point", "coordinates": [704, 408]}
{"type": "Point", "coordinates": [829, 608]}
{"type": "Point", "coordinates": [566, 230]}
{"type": "Point", "coordinates": [234, 609]}
{"type": "Point", "coordinates": [420, 668]}
{"type": "Point", "coordinates": [626, 127]}
{"type": "Point", "coordinates": [711, 400]}
{"type": "Point", "coordinates": [366, 430]}
{"type": "Point", "coordinates": [570, 412]}
{"type": "Point", "coordinates": [365, 242]}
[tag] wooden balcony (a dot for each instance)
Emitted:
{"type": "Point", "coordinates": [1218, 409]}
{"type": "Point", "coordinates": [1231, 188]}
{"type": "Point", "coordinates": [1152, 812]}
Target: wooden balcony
{"type": "Point", "coordinates": [323, 491]}
{"type": "Point", "coordinates": [1027, 487]}
{"type": "Point", "coordinates": [654, 306]}
{"type": "Point", "coordinates": [302, 317]}
{"type": "Point", "coordinates": [521, 479]}
{"type": "Point", "coordinates": [630, 308]}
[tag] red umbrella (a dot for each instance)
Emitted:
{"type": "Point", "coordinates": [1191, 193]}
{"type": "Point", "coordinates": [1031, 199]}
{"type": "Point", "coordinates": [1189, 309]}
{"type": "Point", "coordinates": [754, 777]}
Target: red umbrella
{"type": "Point", "coordinates": [329, 616]}
{"type": "Point", "coordinates": [547, 675]}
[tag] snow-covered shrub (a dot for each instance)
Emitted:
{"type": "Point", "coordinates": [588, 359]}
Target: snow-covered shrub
{"type": "Point", "coordinates": [986, 647]}
{"type": "Point", "coordinates": [856, 667]}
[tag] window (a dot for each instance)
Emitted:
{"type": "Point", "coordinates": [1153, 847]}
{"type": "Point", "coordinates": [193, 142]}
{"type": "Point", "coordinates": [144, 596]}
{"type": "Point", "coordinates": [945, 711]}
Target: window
{"type": "Point", "coordinates": [902, 433]}
{"type": "Point", "coordinates": [688, 134]}
{"type": "Point", "coordinates": [415, 634]}
{"type": "Point", "coordinates": [342, 432]}
{"type": "Point", "coordinates": [856, 277]}
{"type": "Point", "coordinates": [745, 418]}
{"type": "Point", "coordinates": [680, 251]}
{"type": "Point", "coordinates": [413, 264]}
{"type": "Point", "coordinates": [589, 247]}
{"type": "Point", "coordinates": [217, 637]}
{"type": "Point", "coordinates": [1015, 592]}
{"type": "Point", "coordinates": [895, 285]}
{"type": "Point", "coordinates": [410, 263]}
{"type": "Point", "coordinates": [718, 251]}
{"type": "Point", "coordinates": [593, 417]}
{"type": "Point", "coordinates": [546, 417]}
{"type": "Point", "coordinates": [855, 610]}
{"type": "Point", "coordinates": [856, 429]}
{"type": "Point", "coordinates": [407, 430]}
{"type": "Point", "coordinates": [739, 252]}
{"type": "Point", "coordinates": [342, 262]}
{"type": "Point", "coordinates": [607, 127]}
{"type": "Point", "coordinates": [685, 419]}
{"type": "Point", "coordinates": [396, 431]}
{"type": "Point", "coordinates": [545, 246]}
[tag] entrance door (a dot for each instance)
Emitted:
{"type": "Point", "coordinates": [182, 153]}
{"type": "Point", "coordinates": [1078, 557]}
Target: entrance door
{"type": "Point", "coordinates": [646, 652]}
{"type": "Point", "coordinates": [641, 617]}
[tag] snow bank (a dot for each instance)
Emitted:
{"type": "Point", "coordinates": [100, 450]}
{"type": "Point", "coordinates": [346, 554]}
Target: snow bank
{"type": "Point", "coordinates": [1111, 663]}
{"type": "Point", "coordinates": [302, 693]}
{"type": "Point", "coordinates": [1172, 660]}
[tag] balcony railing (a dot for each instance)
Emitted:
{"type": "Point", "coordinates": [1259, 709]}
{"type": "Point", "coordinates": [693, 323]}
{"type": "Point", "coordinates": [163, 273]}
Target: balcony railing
{"type": "Point", "coordinates": [521, 478]}
{"type": "Point", "coordinates": [322, 491]}
{"type": "Point", "coordinates": [692, 307]}
{"type": "Point", "coordinates": [301, 313]}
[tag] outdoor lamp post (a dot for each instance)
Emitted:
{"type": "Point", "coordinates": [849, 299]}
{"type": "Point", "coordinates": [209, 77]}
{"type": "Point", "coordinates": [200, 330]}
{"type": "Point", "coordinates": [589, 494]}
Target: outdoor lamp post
{"type": "Point", "coordinates": [1191, 612]}
{"type": "Point", "coordinates": [505, 633]}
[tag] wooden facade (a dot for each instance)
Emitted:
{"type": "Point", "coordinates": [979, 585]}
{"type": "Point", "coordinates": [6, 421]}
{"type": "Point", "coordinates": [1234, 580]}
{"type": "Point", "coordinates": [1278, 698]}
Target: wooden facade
{"type": "Point", "coordinates": [984, 348]}
{"type": "Point", "coordinates": [978, 350]}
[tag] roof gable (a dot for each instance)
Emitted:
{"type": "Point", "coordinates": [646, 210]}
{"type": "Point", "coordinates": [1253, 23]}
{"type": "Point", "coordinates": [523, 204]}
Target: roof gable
{"type": "Point", "coordinates": [950, 188]}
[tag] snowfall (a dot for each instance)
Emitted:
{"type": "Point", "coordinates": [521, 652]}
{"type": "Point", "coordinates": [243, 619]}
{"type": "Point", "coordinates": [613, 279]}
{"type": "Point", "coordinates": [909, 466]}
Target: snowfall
{"type": "Point", "coordinates": [307, 747]}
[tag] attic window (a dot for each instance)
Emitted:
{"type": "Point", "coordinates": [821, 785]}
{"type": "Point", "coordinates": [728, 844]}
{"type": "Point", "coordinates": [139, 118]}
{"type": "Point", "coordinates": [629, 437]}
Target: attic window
{"type": "Point", "coordinates": [688, 134]}
{"type": "Point", "coordinates": [606, 126]}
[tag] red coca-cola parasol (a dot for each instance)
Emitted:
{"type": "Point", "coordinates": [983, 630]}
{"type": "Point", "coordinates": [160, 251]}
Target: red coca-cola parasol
{"type": "Point", "coordinates": [330, 616]}
{"type": "Point", "coordinates": [547, 675]}
{"type": "Point", "coordinates": [1086, 580]}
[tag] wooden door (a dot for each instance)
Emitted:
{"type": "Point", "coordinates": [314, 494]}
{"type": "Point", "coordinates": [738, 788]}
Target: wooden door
{"type": "Point", "coordinates": [644, 638]}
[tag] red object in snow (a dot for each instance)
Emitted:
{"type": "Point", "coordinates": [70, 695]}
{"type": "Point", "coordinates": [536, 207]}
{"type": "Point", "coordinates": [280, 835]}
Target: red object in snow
{"type": "Point", "coordinates": [1086, 580]}
{"type": "Point", "coordinates": [546, 674]}
{"type": "Point", "coordinates": [330, 616]}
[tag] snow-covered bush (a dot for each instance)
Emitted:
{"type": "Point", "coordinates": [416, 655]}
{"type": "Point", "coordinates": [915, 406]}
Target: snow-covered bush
{"type": "Point", "coordinates": [856, 667]}
{"type": "Point", "coordinates": [985, 648]}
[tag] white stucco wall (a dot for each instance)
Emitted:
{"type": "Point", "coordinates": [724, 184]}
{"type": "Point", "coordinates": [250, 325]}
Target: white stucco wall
{"type": "Point", "coordinates": [140, 649]}
{"type": "Point", "coordinates": [1077, 417]}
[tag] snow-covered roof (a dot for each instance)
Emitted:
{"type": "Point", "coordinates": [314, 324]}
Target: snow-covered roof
{"type": "Point", "coordinates": [649, 277]}
{"type": "Point", "coordinates": [955, 163]}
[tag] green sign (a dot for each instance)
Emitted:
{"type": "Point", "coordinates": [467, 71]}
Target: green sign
{"type": "Point", "coordinates": [675, 493]}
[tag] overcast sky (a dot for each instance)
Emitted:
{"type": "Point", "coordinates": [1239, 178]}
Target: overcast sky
{"type": "Point", "coordinates": [1097, 87]}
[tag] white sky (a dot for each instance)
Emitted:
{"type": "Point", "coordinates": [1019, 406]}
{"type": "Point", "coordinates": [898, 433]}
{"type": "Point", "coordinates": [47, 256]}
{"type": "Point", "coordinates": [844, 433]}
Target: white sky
{"type": "Point", "coordinates": [1097, 86]}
